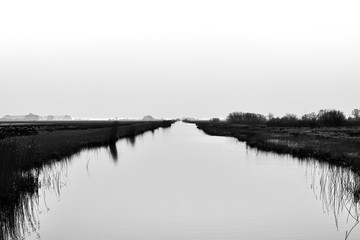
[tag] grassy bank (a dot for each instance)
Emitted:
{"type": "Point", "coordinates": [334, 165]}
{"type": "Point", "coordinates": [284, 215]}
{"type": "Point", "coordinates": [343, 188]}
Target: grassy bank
{"type": "Point", "coordinates": [27, 128]}
{"type": "Point", "coordinates": [340, 146]}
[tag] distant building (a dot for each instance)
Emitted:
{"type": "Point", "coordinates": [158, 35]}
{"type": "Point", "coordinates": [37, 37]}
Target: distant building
{"type": "Point", "coordinates": [67, 117]}
{"type": "Point", "coordinates": [50, 118]}
{"type": "Point", "coordinates": [148, 118]}
{"type": "Point", "coordinates": [31, 117]}
{"type": "Point", "coordinates": [12, 118]}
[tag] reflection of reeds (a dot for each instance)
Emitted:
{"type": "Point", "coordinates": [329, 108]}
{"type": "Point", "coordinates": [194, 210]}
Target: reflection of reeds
{"type": "Point", "coordinates": [19, 215]}
{"type": "Point", "coordinates": [17, 208]}
{"type": "Point", "coordinates": [338, 188]}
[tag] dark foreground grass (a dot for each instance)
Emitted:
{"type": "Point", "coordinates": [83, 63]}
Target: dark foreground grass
{"type": "Point", "coordinates": [22, 155]}
{"type": "Point", "coordinates": [26, 128]}
{"type": "Point", "coordinates": [339, 146]}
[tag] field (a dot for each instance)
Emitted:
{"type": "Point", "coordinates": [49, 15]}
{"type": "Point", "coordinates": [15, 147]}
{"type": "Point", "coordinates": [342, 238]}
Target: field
{"type": "Point", "coordinates": [337, 145]}
{"type": "Point", "coordinates": [24, 128]}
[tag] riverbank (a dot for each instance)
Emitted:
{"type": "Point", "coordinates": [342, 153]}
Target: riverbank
{"type": "Point", "coordinates": [48, 142]}
{"type": "Point", "coordinates": [51, 142]}
{"type": "Point", "coordinates": [340, 146]}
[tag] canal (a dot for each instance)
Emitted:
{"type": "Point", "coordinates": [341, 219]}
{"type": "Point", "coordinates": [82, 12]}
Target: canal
{"type": "Point", "coordinates": [179, 183]}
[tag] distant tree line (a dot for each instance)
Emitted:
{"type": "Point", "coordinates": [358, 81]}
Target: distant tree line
{"type": "Point", "coordinates": [246, 118]}
{"type": "Point", "coordinates": [325, 117]}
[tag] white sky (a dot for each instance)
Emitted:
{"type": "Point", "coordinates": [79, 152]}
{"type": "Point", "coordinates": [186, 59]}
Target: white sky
{"type": "Point", "coordinates": [178, 58]}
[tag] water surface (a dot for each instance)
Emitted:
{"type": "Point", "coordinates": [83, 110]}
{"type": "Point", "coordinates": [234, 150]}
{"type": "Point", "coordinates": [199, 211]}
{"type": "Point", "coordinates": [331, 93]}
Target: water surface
{"type": "Point", "coordinates": [179, 183]}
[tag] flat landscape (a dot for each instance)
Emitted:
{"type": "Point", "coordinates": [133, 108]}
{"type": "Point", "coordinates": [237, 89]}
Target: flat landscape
{"type": "Point", "coordinates": [180, 120]}
{"type": "Point", "coordinates": [23, 128]}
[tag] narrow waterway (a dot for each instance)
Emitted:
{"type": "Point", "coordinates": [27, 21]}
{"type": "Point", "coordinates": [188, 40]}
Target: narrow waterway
{"type": "Point", "coordinates": [180, 183]}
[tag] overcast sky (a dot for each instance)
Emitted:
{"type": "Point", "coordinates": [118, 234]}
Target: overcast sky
{"type": "Point", "coordinates": [101, 59]}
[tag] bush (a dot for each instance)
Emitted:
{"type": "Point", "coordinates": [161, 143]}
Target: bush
{"type": "Point", "coordinates": [215, 120]}
{"type": "Point", "coordinates": [246, 118]}
{"type": "Point", "coordinates": [356, 114]}
{"type": "Point", "coordinates": [289, 120]}
{"type": "Point", "coordinates": [331, 118]}
{"type": "Point", "coordinates": [309, 120]}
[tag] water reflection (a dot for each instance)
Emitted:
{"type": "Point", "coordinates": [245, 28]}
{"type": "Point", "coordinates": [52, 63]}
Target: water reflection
{"type": "Point", "coordinates": [338, 189]}
{"type": "Point", "coordinates": [113, 152]}
{"type": "Point", "coordinates": [131, 140]}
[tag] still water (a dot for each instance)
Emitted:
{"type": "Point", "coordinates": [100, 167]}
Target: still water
{"type": "Point", "coordinates": [179, 183]}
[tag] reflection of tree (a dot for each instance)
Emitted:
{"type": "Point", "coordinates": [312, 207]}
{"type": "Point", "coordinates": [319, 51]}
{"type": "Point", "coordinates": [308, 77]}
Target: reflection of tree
{"type": "Point", "coordinates": [338, 188]}
{"type": "Point", "coordinates": [113, 151]}
{"type": "Point", "coordinates": [131, 140]}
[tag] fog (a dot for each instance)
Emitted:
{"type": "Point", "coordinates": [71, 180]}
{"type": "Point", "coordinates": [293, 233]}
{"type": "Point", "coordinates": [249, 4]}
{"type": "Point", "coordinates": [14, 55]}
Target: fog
{"type": "Point", "coordinates": [100, 59]}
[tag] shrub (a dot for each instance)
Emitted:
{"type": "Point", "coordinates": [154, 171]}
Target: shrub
{"type": "Point", "coordinates": [246, 118]}
{"type": "Point", "coordinates": [215, 120]}
{"type": "Point", "coordinates": [331, 118]}
{"type": "Point", "coordinates": [289, 120]}
{"type": "Point", "coordinates": [309, 120]}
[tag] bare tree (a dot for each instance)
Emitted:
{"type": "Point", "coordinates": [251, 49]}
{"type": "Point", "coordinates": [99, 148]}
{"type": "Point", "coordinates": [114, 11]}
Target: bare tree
{"type": "Point", "coordinates": [356, 113]}
{"type": "Point", "coordinates": [270, 116]}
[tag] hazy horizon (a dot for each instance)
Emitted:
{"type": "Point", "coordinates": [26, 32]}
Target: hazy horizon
{"type": "Point", "coordinates": [168, 59]}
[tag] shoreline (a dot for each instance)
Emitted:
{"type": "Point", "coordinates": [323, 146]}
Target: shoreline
{"type": "Point", "coordinates": [338, 146]}
{"type": "Point", "coordinates": [60, 141]}
{"type": "Point", "coordinates": [22, 156]}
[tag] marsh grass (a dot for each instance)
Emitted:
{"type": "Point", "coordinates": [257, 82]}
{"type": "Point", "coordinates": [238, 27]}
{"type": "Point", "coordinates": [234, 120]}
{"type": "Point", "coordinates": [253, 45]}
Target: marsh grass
{"type": "Point", "coordinates": [333, 145]}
